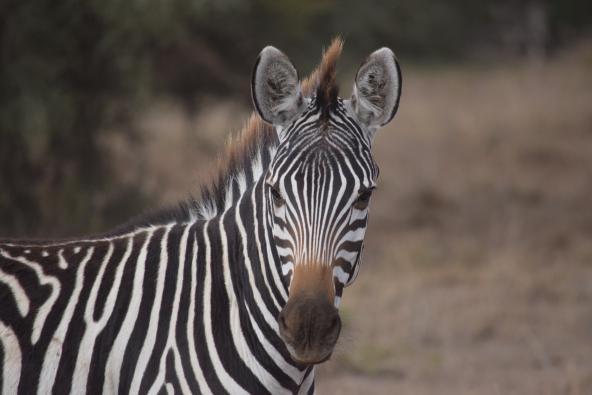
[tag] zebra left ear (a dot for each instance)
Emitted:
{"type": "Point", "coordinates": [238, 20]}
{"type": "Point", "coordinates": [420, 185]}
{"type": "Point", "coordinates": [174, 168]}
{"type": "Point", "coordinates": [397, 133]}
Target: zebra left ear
{"type": "Point", "coordinates": [275, 88]}
{"type": "Point", "coordinates": [377, 89]}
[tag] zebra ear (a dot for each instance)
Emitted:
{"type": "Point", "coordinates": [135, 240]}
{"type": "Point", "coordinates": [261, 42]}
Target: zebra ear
{"type": "Point", "coordinates": [275, 88]}
{"type": "Point", "coordinates": [377, 89]}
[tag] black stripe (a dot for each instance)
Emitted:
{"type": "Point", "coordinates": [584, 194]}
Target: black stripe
{"type": "Point", "coordinates": [220, 319]}
{"type": "Point", "coordinates": [74, 333]}
{"type": "Point", "coordinates": [205, 362]}
{"type": "Point", "coordinates": [183, 318]}
{"type": "Point", "coordinates": [134, 346]}
{"type": "Point", "coordinates": [170, 376]}
{"type": "Point", "coordinates": [120, 247]}
{"type": "Point", "coordinates": [165, 309]}
{"type": "Point", "coordinates": [105, 340]}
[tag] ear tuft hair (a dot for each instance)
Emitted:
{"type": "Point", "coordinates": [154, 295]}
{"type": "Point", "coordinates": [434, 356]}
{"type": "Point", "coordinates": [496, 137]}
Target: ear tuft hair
{"type": "Point", "coordinates": [275, 87]}
{"type": "Point", "coordinates": [377, 89]}
{"type": "Point", "coordinates": [322, 81]}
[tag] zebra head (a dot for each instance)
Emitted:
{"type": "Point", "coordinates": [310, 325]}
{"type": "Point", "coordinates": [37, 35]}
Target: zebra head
{"type": "Point", "coordinates": [319, 183]}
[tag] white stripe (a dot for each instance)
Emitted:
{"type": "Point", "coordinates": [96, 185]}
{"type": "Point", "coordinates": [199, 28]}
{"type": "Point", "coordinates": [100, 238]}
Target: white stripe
{"type": "Point", "coordinates": [337, 226]}
{"type": "Point", "coordinates": [257, 166]}
{"type": "Point", "coordinates": [45, 308]}
{"type": "Point", "coordinates": [270, 258]}
{"type": "Point", "coordinates": [356, 234]}
{"type": "Point", "coordinates": [270, 383]}
{"type": "Point", "coordinates": [51, 361]}
{"type": "Point", "coordinates": [227, 381]}
{"type": "Point", "coordinates": [241, 180]}
{"type": "Point", "coordinates": [207, 209]}
{"type": "Point", "coordinates": [341, 275]}
{"type": "Point", "coordinates": [337, 301]}
{"type": "Point", "coordinates": [283, 251]}
{"type": "Point", "coordinates": [262, 260]}
{"type": "Point", "coordinates": [94, 328]}
{"type": "Point", "coordinates": [308, 382]}
{"type": "Point", "coordinates": [114, 367]}
{"type": "Point", "coordinates": [228, 195]}
{"type": "Point", "coordinates": [348, 256]}
{"type": "Point", "coordinates": [355, 273]}
{"type": "Point", "coordinates": [358, 214]}
{"type": "Point", "coordinates": [181, 262]}
{"type": "Point", "coordinates": [62, 264]}
{"type": "Point", "coordinates": [275, 355]}
{"type": "Point", "coordinates": [150, 338]}
{"type": "Point", "coordinates": [287, 268]}
{"type": "Point", "coordinates": [179, 372]}
{"type": "Point", "coordinates": [12, 361]}
{"type": "Point", "coordinates": [198, 373]}
{"type": "Point", "coordinates": [20, 296]}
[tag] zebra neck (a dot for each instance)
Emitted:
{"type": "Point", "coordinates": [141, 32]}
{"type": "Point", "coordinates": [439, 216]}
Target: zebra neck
{"type": "Point", "coordinates": [247, 247]}
{"type": "Point", "coordinates": [247, 293]}
{"type": "Point", "coordinates": [194, 292]}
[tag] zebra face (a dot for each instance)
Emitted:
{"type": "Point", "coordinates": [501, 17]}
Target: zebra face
{"type": "Point", "coordinates": [319, 185]}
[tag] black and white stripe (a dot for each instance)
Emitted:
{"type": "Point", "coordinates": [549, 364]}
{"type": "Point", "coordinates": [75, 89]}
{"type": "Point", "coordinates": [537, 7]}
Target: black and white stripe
{"type": "Point", "coordinates": [322, 173]}
{"type": "Point", "coordinates": [161, 308]}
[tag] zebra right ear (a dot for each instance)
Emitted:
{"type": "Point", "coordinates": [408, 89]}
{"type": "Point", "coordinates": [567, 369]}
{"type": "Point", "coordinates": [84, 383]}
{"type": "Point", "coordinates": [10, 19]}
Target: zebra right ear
{"type": "Point", "coordinates": [275, 88]}
{"type": "Point", "coordinates": [377, 89]}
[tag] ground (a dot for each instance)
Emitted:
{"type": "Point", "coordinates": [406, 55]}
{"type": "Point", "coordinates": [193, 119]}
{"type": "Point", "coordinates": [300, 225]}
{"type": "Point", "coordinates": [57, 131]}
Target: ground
{"type": "Point", "coordinates": [477, 275]}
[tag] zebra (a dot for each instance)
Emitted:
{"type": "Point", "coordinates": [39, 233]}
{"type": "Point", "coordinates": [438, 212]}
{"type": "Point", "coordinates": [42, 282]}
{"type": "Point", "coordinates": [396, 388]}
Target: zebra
{"type": "Point", "coordinates": [235, 293]}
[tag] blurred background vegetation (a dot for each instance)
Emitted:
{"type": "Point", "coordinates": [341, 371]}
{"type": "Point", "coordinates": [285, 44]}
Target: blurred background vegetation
{"type": "Point", "coordinates": [71, 72]}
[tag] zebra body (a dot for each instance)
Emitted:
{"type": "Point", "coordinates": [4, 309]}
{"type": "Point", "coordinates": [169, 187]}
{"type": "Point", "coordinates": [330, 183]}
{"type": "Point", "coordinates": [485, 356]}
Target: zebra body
{"type": "Point", "coordinates": [157, 308]}
{"type": "Point", "coordinates": [235, 294]}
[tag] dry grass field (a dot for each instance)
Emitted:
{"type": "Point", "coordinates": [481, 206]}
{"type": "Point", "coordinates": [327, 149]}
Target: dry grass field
{"type": "Point", "coordinates": [477, 277]}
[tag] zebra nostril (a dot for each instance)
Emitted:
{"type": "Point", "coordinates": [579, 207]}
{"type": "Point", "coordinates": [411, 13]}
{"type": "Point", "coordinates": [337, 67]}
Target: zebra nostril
{"type": "Point", "coordinates": [334, 327]}
{"type": "Point", "coordinates": [335, 321]}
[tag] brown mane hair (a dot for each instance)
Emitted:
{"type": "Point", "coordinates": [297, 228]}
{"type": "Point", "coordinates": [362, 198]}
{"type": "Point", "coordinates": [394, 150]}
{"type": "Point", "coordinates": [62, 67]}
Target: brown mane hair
{"type": "Point", "coordinates": [322, 79]}
{"type": "Point", "coordinates": [256, 135]}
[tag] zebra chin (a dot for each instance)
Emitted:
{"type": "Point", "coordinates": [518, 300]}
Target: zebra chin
{"type": "Point", "coordinates": [308, 359]}
{"type": "Point", "coordinates": [309, 323]}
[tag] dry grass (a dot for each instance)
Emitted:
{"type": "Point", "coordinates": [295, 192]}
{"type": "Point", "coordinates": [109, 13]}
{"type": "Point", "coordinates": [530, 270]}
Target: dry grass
{"type": "Point", "coordinates": [477, 275]}
{"type": "Point", "coordinates": [478, 267]}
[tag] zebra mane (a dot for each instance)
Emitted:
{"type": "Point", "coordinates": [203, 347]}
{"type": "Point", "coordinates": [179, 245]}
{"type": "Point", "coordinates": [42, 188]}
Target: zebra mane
{"type": "Point", "coordinates": [322, 81]}
{"type": "Point", "coordinates": [251, 144]}
{"type": "Point", "coordinates": [257, 137]}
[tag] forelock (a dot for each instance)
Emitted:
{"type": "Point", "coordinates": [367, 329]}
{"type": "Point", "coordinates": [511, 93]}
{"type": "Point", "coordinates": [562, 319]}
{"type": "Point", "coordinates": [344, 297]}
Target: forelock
{"type": "Point", "coordinates": [322, 81]}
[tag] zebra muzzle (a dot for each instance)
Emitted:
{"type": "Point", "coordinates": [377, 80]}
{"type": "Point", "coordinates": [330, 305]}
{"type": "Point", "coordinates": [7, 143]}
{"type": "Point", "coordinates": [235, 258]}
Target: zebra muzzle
{"type": "Point", "coordinates": [309, 323]}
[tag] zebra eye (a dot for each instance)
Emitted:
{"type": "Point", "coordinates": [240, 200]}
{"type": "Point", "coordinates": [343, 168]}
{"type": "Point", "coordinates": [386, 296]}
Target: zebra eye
{"type": "Point", "coordinates": [277, 196]}
{"type": "Point", "coordinates": [363, 199]}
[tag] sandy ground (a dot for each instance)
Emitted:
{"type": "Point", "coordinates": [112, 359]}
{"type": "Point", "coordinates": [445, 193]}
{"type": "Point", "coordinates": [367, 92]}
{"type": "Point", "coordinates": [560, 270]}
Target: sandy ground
{"type": "Point", "coordinates": [477, 277]}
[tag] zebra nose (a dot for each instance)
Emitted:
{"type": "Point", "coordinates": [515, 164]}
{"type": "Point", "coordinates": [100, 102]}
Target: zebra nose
{"type": "Point", "coordinates": [310, 327]}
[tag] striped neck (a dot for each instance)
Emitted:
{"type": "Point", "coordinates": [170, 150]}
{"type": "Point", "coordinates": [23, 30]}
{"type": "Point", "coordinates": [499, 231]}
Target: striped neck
{"type": "Point", "coordinates": [244, 271]}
